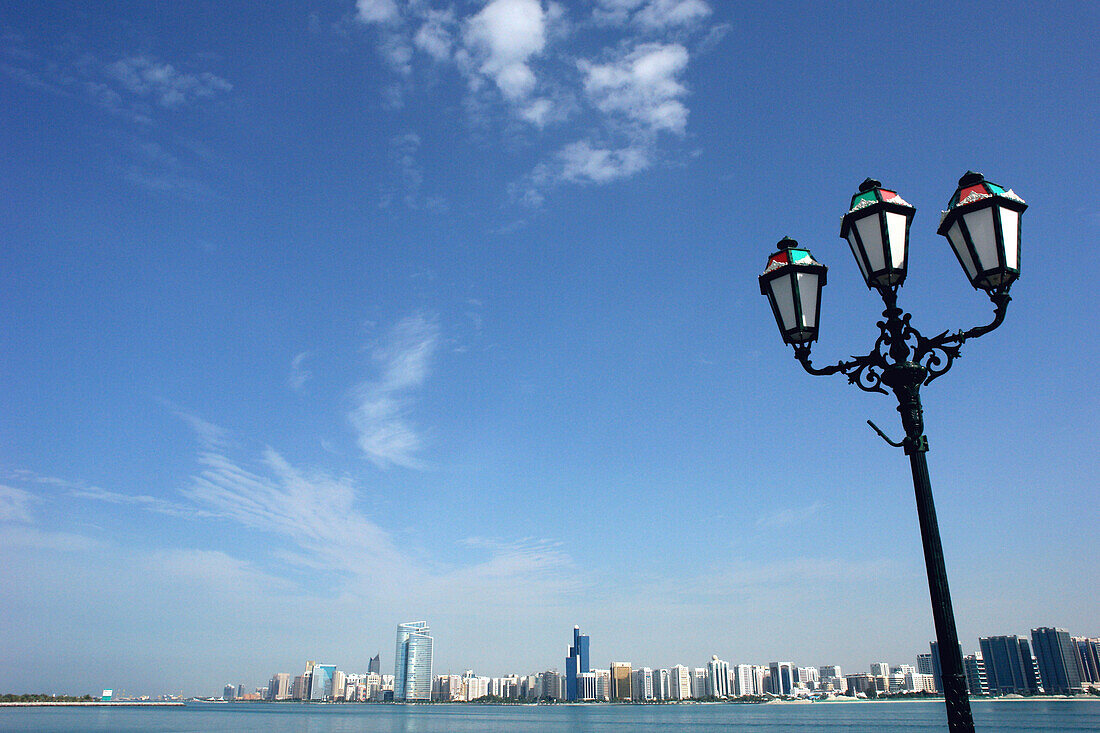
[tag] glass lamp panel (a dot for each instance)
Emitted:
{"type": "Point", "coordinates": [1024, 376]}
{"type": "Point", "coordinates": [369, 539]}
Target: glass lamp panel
{"type": "Point", "coordinates": [870, 233]}
{"type": "Point", "coordinates": [958, 242]}
{"type": "Point", "coordinates": [856, 254]}
{"type": "Point", "coordinates": [1010, 229]}
{"type": "Point", "coordinates": [980, 225]}
{"type": "Point", "coordinates": [784, 300]}
{"type": "Point", "coordinates": [896, 226]}
{"type": "Point", "coordinates": [807, 291]}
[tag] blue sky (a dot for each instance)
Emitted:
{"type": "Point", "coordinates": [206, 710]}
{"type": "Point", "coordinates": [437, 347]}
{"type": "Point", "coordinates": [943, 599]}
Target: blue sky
{"type": "Point", "coordinates": [321, 317]}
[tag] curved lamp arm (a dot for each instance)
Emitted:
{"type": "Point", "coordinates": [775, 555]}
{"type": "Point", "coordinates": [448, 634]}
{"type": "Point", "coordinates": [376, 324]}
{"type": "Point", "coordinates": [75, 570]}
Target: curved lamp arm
{"type": "Point", "coordinates": [863, 371]}
{"type": "Point", "coordinates": [938, 352]}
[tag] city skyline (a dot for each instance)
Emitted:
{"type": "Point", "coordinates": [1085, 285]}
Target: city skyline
{"type": "Point", "coordinates": [381, 310]}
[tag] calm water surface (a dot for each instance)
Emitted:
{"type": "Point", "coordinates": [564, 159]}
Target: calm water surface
{"type": "Point", "coordinates": [1055, 716]}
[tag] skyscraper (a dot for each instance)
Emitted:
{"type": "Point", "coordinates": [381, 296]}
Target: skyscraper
{"type": "Point", "coordinates": [320, 684]}
{"type": "Point", "coordinates": [412, 669]}
{"type": "Point", "coordinates": [1088, 656]}
{"type": "Point", "coordinates": [718, 677]}
{"type": "Point", "coordinates": [1009, 666]}
{"type": "Point", "coordinates": [782, 677]}
{"type": "Point", "coordinates": [576, 663]}
{"type": "Point", "coordinates": [1058, 662]}
{"type": "Point", "coordinates": [375, 666]}
{"type": "Point", "coordinates": [937, 675]}
{"type": "Point", "coordinates": [620, 680]}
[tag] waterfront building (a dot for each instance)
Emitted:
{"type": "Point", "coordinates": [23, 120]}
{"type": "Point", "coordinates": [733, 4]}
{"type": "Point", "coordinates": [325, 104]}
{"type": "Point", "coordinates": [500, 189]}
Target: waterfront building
{"type": "Point", "coordinates": [620, 680]}
{"type": "Point", "coordinates": [1088, 657]}
{"type": "Point", "coordinates": [229, 692]}
{"type": "Point", "coordinates": [337, 687]}
{"type": "Point", "coordinates": [603, 684]}
{"type": "Point", "coordinates": [576, 662]}
{"type": "Point", "coordinates": [743, 681]}
{"type": "Point", "coordinates": [680, 679]}
{"type": "Point", "coordinates": [934, 647]}
{"type": "Point", "coordinates": [718, 677]}
{"type": "Point", "coordinates": [279, 686]}
{"type": "Point", "coordinates": [782, 678]}
{"type": "Point", "coordinates": [641, 684]}
{"type": "Point", "coordinates": [320, 683]}
{"type": "Point", "coordinates": [807, 677]}
{"type": "Point", "coordinates": [919, 682]}
{"type": "Point", "coordinates": [551, 686]}
{"type": "Point", "coordinates": [299, 690]}
{"type": "Point", "coordinates": [924, 663]}
{"type": "Point", "coordinates": [375, 665]}
{"type": "Point", "coordinates": [861, 683]}
{"type": "Point", "coordinates": [974, 668]}
{"type": "Point", "coordinates": [699, 683]}
{"type": "Point", "coordinates": [1059, 667]}
{"type": "Point", "coordinates": [412, 672]}
{"type": "Point", "coordinates": [661, 685]}
{"type": "Point", "coordinates": [586, 686]}
{"type": "Point", "coordinates": [1009, 666]}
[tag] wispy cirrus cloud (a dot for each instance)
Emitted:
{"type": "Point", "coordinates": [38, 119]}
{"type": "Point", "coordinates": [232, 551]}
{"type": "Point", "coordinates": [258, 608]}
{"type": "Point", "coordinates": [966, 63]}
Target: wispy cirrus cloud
{"type": "Point", "coordinates": [382, 406]}
{"type": "Point", "coordinates": [789, 516]}
{"type": "Point", "coordinates": [299, 374]}
{"type": "Point", "coordinates": [148, 77]}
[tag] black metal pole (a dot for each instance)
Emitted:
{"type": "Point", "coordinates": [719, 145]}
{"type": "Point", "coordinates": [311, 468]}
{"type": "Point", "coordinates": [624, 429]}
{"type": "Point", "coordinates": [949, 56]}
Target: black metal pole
{"type": "Point", "coordinates": [905, 379]}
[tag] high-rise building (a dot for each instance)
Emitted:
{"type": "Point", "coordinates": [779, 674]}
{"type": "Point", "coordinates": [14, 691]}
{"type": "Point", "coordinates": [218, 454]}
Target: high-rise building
{"type": "Point", "coordinates": [782, 677]}
{"type": "Point", "coordinates": [1058, 663]}
{"type": "Point", "coordinates": [924, 664]}
{"type": "Point", "coordinates": [680, 679]}
{"type": "Point", "coordinates": [229, 692]}
{"type": "Point", "coordinates": [576, 663]}
{"type": "Point", "coordinates": [279, 686]}
{"type": "Point", "coordinates": [1088, 657]}
{"type": "Point", "coordinates": [586, 686]}
{"type": "Point", "coordinates": [320, 684]}
{"type": "Point", "coordinates": [974, 668]}
{"type": "Point", "coordinates": [661, 685]}
{"type": "Point", "coordinates": [375, 665]}
{"type": "Point", "coordinates": [337, 686]}
{"type": "Point", "coordinates": [620, 680]}
{"type": "Point", "coordinates": [412, 670]}
{"type": "Point", "coordinates": [1009, 666]}
{"type": "Point", "coordinates": [937, 674]}
{"type": "Point", "coordinates": [641, 684]}
{"type": "Point", "coordinates": [603, 684]}
{"type": "Point", "coordinates": [718, 677]}
{"type": "Point", "coordinates": [743, 682]}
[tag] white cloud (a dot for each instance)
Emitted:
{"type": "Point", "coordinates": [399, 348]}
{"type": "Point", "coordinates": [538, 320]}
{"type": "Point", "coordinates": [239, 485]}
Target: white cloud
{"type": "Point", "coordinates": [15, 505]}
{"type": "Point", "coordinates": [434, 37]}
{"type": "Point", "coordinates": [788, 517]}
{"type": "Point", "coordinates": [652, 15]}
{"type": "Point", "coordinates": [661, 14]}
{"type": "Point", "coordinates": [147, 77]}
{"type": "Point", "coordinates": [643, 85]}
{"type": "Point", "coordinates": [299, 375]}
{"type": "Point", "coordinates": [502, 38]}
{"type": "Point", "coordinates": [380, 416]}
{"type": "Point", "coordinates": [377, 11]}
{"type": "Point", "coordinates": [582, 163]}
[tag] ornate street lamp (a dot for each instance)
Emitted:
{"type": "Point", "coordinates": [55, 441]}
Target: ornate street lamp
{"type": "Point", "coordinates": [982, 223]}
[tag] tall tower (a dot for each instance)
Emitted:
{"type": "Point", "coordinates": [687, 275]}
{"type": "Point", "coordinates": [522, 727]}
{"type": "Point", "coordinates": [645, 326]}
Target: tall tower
{"type": "Point", "coordinates": [412, 667]}
{"type": "Point", "coordinates": [1058, 662]}
{"type": "Point", "coordinates": [375, 666]}
{"type": "Point", "coordinates": [576, 663]}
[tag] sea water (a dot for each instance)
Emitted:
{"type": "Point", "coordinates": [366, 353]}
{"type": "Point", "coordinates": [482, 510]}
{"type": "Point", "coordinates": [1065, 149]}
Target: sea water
{"type": "Point", "coordinates": [1002, 716]}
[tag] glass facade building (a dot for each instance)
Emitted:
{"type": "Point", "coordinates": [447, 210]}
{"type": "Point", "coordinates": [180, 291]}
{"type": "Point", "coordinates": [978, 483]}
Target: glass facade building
{"type": "Point", "coordinates": [320, 684]}
{"type": "Point", "coordinates": [1009, 666]}
{"type": "Point", "coordinates": [412, 669]}
{"type": "Point", "coordinates": [1057, 657]}
{"type": "Point", "coordinates": [576, 663]}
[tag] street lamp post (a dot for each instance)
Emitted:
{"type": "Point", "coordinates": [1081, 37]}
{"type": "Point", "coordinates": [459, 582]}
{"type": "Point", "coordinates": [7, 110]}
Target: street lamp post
{"type": "Point", "coordinates": [982, 223]}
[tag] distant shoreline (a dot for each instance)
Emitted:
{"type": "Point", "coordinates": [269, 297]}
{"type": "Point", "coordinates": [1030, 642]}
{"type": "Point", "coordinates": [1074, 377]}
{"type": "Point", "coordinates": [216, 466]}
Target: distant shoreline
{"type": "Point", "coordinates": [93, 703]}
